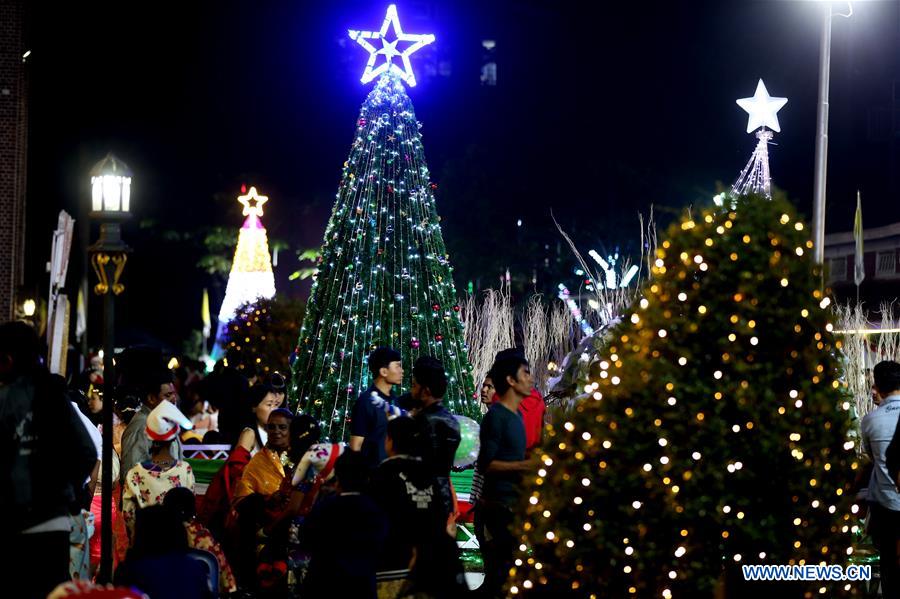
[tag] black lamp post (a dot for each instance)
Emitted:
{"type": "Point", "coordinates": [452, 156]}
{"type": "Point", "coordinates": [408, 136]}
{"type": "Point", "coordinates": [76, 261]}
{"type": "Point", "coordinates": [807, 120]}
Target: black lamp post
{"type": "Point", "coordinates": [110, 203]}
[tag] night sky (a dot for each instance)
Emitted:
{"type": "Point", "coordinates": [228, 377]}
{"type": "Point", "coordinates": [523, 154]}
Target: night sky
{"type": "Point", "coordinates": [598, 114]}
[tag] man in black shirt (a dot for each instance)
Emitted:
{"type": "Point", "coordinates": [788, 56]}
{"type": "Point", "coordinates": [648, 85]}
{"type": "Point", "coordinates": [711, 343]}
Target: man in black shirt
{"type": "Point", "coordinates": [502, 460]}
{"type": "Point", "coordinates": [439, 435]}
{"type": "Point", "coordinates": [405, 489]}
{"type": "Point", "coordinates": [344, 535]}
{"type": "Point", "coordinates": [371, 411]}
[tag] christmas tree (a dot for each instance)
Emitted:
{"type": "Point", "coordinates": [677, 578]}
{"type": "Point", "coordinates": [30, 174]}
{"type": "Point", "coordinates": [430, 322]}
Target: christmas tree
{"type": "Point", "coordinates": [384, 276]}
{"type": "Point", "coordinates": [251, 275]}
{"type": "Point", "coordinates": [714, 434]}
{"type": "Point", "coordinates": [262, 334]}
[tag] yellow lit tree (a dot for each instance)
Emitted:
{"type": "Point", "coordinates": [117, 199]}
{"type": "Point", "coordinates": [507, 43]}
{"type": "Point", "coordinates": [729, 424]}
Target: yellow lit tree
{"type": "Point", "coordinates": [716, 432]}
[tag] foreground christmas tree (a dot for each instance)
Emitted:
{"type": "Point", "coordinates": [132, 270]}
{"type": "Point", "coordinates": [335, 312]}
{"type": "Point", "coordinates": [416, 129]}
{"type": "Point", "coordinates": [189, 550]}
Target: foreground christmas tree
{"type": "Point", "coordinates": [384, 276]}
{"type": "Point", "coordinates": [715, 434]}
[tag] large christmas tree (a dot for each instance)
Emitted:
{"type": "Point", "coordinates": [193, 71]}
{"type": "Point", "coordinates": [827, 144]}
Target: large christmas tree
{"type": "Point", "coordinates": [384, 276]}
{"type": "Point", "coordinates": [714, 434]}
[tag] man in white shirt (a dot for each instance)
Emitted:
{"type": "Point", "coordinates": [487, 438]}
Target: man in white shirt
{"type": "Point", "coordinates": [878, 429]}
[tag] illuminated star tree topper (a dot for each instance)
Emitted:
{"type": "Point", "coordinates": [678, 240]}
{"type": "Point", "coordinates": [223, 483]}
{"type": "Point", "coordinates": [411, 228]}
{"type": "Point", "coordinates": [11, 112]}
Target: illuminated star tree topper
{"type": "Point", "coordinates": [376, 44]}
{"type": "Point", "coordinates": [762, 110]}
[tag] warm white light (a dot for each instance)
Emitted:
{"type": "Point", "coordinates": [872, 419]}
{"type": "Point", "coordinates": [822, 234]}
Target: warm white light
{"type": "Point", "coordinates": [29, 307]}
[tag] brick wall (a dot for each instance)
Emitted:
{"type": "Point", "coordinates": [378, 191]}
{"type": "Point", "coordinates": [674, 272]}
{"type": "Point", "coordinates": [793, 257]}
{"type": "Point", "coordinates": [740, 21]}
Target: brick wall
{"type": "Point", "coordinates": [13, 143]}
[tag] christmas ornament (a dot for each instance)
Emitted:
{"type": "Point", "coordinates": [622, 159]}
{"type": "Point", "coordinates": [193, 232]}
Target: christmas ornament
{"type": "Point", "coordinates": [414, 343]}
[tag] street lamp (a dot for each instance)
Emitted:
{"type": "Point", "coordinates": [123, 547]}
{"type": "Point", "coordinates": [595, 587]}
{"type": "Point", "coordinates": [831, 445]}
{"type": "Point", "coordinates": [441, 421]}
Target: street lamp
{"type": "Point", "coordinates": [110, 205]}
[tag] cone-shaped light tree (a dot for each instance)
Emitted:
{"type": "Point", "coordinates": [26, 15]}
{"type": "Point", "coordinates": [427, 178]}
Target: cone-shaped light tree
{"type": "Point", "coordinates": [384, 276]}
{"type": "Point", "coordinates": [251, 276]}
{"type": "Point", "coordinates": [715, 435]}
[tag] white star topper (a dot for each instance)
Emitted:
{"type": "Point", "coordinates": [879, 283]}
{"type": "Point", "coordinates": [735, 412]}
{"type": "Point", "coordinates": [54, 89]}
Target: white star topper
{"type": "Point", "coordinates": [389, 49]}
{"type": "Point", "coordinates": [762, 109]}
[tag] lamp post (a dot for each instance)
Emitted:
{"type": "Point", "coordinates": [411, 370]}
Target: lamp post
{"type": "Point", "coordinates": [110, 204]}
{"type": "Point", "coordinates": [822, 137]}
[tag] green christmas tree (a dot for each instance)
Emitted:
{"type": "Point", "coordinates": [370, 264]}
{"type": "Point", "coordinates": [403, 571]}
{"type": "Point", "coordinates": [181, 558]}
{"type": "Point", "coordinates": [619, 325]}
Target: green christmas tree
{"type": "Point", "coordinates": [715, 432]}
{"type": "Point", "coordinates": [384, 276]}
{"type": "Point", "coordinates": [262, 334]}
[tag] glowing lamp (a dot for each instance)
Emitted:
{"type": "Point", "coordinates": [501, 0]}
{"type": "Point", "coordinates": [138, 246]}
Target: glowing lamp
{"type": "Point", "coordinates": [28, 307]}
{"type": "Point", "coordinates": [111, 187]}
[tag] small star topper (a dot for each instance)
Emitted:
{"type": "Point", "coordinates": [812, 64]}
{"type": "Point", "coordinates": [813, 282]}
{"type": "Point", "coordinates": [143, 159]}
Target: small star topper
{"type": "Point", "coordinates": [762, 108]}
{"type": "Point", "coordinates": [389, 49]}
{"type": "Point", "coordinates": [258, 201]}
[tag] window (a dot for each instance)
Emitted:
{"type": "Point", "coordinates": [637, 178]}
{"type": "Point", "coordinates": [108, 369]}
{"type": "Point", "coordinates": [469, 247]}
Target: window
{"type": "Point", "coordinates": [837, 269]}
{"type": "Point", "coordinates": [886, 264]}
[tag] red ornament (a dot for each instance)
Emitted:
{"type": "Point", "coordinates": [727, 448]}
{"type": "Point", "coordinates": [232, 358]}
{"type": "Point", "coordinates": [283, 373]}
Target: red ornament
{"type": "Point", "coordinates": [435, 307]}
{"type": "Point", "coordinates": [438, 337]}
{"type": "Point", "coordinates": [414, 343]}
{"type": "Point", "coordinates": [390, 189]}
{"type": "Point", "coordinates": [433, 185]}
{"type": "Point", "coordinates": [362, 121]}
{"type": "Point", "coordinates": [456, 308]}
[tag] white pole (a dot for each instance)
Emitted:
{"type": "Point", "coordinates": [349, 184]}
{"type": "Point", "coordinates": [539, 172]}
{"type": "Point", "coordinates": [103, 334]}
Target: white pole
{"type": "Point", "coordinates": [822, 138]}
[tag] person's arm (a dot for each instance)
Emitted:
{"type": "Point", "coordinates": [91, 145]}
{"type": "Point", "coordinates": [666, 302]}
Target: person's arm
{"type": "Point", "coordinates": [135, 445]}
{"type": "Point", "coordinates": [129, 506]}
{"type": "Point", "coordinates": [504, 466]}
{"type": "Point", "coordinates": [864, 433]}
{"type": "Point", "coordinates": [247, 439]}
{"type": "Point", "coordinates": [359, 423]}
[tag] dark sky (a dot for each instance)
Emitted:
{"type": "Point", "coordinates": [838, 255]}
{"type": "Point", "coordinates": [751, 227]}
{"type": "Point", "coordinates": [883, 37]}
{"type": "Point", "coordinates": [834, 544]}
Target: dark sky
{"type": "Point", "coordinates": [598, 113]}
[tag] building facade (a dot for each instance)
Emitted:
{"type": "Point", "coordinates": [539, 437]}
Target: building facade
{"type": "Point", "coordinates": [13, 151]}
{"type": "Point", "coordinates": [881, 260]}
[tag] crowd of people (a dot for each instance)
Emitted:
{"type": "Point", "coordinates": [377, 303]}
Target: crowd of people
{"type": "Point", "coordinates": [288, 513]}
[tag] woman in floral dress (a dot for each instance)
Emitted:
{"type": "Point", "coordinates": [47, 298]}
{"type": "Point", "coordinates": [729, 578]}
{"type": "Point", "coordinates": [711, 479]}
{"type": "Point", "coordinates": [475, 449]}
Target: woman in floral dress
{"type": "Point", "coordinates": [147, 483]}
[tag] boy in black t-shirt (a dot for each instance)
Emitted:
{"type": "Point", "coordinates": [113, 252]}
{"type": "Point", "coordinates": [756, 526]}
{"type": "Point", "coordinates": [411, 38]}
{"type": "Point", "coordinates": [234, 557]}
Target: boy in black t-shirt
{"type": "Point", "coordinates": [374, 406]}
{"type": "Point", "coordinates": [344, 535]}
{"type": "Point", "coordinates": [405, 489]}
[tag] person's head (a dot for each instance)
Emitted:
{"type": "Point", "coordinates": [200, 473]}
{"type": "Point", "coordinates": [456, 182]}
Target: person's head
{"type": "Point", "coordinates": [160, 388]}
{"type": "Point", "coordinates": [127, 403]}
{"type": "Point", "coordinates": [262, 402]}
{"type": "Point", "coordinates": [279, 386]}
{"type": "Point", "coordinates": [157, 531]}
{"type": "Point", "coordinates": [164, 423]}
{"type": "Point", "coordinates": [352, 471]}
{"type": "Point", "coordinates": [278, 427]}
{"type": "Point", "coordinates": [305, 432]}
{"type": "Point", "coordinates": [94, 400]}
{"type": "Point", "coordinates": [401, 436]}
{"type": "Point", "coordinates": [887, 378]}
{"type": "Point", "coordinates": [182, 502]}
{"type": "Point", "coordinates": [386, 363]}
{"type": "Point", "coordinates": [429, 382]}
{"type": "Point", "coordinates": [487, 390]}
{"type": "Point", "coordinates": [20, 350]}
{"type": "Point", "coordinates": [511, 373]}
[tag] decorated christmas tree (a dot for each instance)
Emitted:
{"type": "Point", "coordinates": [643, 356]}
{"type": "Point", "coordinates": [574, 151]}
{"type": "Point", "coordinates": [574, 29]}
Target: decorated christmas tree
{"type": "Point", "coordinates": [714, 434]}
{"type": "Point", "coordinates": [384, 276]}
{"type": "Point", "coordinates": [251, 275]}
